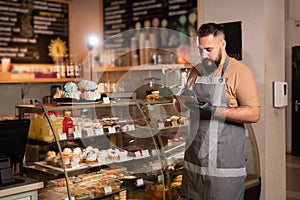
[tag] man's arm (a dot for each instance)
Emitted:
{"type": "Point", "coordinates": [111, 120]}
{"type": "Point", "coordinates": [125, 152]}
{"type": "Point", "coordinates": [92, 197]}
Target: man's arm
{"type": "Point", "coordinates": [242, 114]}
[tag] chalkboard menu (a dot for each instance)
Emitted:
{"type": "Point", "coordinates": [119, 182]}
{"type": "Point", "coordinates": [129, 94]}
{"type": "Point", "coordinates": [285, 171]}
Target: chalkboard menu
{"type": "Point", "coordinates": [33, 31]}
{"type": "Point", "coordinates": [120, 16]}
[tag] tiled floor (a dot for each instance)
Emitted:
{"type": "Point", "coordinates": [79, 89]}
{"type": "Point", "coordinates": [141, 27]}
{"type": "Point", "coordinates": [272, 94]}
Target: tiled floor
{"type": "Point", "coordinates": [292, 177]}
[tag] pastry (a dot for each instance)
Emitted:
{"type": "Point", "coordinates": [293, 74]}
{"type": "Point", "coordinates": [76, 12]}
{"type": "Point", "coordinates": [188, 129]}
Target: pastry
{"type": "Point", "coordinates": [59, 94]}
{"type": "Point", "coordinates": [87, 85]}
{"type": "Point", "coordinates": [102, 156]}
{"type": "Point", "coordinates": [49, 157]}
{"type": "Point", "coordinates": [67, 150]}
{"type": "Point", "coordinates": [67, 157]}
{"type": "Point", "coordinates": [113, 154]}
{"type": "Point", "coordinates": [70, 87]}
{"type": "Point", "coordinates": [91, 157]}
{"type": "Point", "coordinates": [90, 95]}
{"type": "Point", "coordinates": [73, 95]}
{"type": "Point", "coordinates": [76, 157]}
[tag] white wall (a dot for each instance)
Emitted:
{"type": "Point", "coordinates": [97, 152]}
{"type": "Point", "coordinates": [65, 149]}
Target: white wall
{"type": "Point", "coordinates": [263, 52]}
{"type": "Point", "coordinates": [292, 39]}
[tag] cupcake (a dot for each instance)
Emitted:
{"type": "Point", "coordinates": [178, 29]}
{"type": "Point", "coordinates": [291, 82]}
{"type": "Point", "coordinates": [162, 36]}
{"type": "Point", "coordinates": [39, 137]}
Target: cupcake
{"type": "Point", "coordinates": [73, 95]}
{"type": "Point", "coordinates": [89, 90]}
{"type": "Point", "coordinates": [90, 95]}
{"type": "Point", "coordinates": [70, 87]}
{"type": "Point", "coordinates": [86, 85]}
{"type": "Point", "coordinates": [71, 91]}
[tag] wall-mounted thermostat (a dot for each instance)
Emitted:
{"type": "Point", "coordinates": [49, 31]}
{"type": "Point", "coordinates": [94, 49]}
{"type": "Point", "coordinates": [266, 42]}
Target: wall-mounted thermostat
{"type": "Point", "coordinates": [280, 94]}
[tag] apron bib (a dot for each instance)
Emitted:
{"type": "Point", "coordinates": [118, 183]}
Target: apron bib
{"type": "Point", "coordinates": [215, 148]}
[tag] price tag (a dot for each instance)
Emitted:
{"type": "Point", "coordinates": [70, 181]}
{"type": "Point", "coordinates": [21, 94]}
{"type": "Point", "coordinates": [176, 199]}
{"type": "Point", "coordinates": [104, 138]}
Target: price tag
{"type": "Point", "coordinates": [106, 100]}
{"type": "Point", "coordinates": [160, 125]}
{"type": "Point", "coordinates": [139, 182]}
{"type": "Point", "coordinates": [111, 130]}
{"type": "Point", "coordinates": [77, 134]}
{"type": "Point", "coordinates": [131, 127]}
{"type": "Point", "coordinates": [62, 136]}
{"type": "Point", "coordinates": [138, 154]}
{"type": "Point", "coordinates": [108, 190]}
{"type": "Point", "coordinates": [89, 131]}
{"type": "Point", "coordinates": [145, 152]}
{"type": "Point", "coordinates": [99, 131]}
{"type": "Point", "coordinates": [124, 128]}
{"type": "Point", "coordinates": [159, 178]}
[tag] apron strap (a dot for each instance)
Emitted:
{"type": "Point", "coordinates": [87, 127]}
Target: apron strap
{"type": "Point", "coordinates": [225, 66]}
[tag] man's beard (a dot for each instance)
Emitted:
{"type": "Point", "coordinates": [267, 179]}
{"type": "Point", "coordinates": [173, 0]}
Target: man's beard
{"type": "Point", "coordinates": [218, 59]}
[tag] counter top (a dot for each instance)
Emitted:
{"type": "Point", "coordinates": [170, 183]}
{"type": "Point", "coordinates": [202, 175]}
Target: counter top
{"type": "Point", "coordinates": [28, 185]}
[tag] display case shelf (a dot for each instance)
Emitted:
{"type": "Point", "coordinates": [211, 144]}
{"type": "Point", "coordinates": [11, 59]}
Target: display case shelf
{"type": "Point", "coordinates": [145, 67]}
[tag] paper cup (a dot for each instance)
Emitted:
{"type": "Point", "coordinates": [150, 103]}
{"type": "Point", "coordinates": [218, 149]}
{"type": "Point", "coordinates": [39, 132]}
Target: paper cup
{"type": "Point", "coordinates": [5, 62]}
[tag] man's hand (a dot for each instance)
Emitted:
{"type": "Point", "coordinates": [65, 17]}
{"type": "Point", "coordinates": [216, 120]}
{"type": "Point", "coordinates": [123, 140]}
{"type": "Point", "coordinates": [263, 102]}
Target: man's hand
{"type": "Point", "coordinates": [204, 107]}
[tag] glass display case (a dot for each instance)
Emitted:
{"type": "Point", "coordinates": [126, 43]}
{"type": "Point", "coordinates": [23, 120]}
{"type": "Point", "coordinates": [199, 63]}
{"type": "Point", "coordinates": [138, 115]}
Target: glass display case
{"type": "Point", "coordinates": [115, 149]}
{"type": "Point", "coordinates": [125, 149]}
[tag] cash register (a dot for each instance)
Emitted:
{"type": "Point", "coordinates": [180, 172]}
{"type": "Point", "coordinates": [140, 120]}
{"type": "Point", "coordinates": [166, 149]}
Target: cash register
{"type": "Point", "coordinates": [13, 140]}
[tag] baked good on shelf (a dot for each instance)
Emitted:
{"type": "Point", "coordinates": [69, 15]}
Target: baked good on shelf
{"type": "Point", "coordinates": [91, 155]}
{"type": "Point", "coordinates": [73, 95]}
{"type": "Point", "coordinates": [102, 154]}
{"type": "Point", "coordinates": [113, 154]}
{"type": "Point", "coordinates": [76, 156]}
{"type": "Point", "coordinates": [59, 94]}
{"type": "Point", "coordinates": [49, 157]}
{"type": "Point", "coordinates": [89, 90]}
{"type": "Point", "coordinates": [70, 87]}
{"type": "Point", "coordinates": [81, 192]}
{"type": "Point", "coordinates": [87, 85]}
{"type": "Point", "coordinates": [168, 123]}
{"type": "Point", "coordinates": [90, 95]}
{"type": "Point", "coordinates": [67, 157]}
{"type": "Point", "coordinates": [175, 120]}
{"type": "Point", "coordinates": [67, 150]}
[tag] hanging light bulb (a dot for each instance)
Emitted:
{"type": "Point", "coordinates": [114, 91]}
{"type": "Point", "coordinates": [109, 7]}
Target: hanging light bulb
{"type": "Point", "coordinates": [92, 42]}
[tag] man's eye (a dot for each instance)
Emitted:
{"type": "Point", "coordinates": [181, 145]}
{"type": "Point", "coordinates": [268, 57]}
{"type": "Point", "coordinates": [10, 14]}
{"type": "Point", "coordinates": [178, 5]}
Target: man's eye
{"type": "Point", "coordinates": [208, 49]}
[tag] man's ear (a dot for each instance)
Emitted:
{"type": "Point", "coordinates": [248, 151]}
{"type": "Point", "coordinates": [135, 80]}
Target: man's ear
{"type": "Point", "coordinates": [223, 44]}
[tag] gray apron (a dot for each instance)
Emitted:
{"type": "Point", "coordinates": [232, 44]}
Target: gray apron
{"type": "Point", "coordinates": [214, 165]}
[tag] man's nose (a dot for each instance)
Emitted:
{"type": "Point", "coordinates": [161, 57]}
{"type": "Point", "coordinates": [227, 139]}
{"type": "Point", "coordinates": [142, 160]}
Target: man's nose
{"type": "Point", "coordinates": [204, 54]}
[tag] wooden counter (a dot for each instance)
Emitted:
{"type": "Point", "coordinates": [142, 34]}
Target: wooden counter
{"type": "Point", "coordinates": [24, 190]}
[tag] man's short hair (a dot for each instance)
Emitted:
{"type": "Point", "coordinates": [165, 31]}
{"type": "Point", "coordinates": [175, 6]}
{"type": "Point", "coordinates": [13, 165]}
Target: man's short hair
{"type": "Point", "coordinates": [210, 28]}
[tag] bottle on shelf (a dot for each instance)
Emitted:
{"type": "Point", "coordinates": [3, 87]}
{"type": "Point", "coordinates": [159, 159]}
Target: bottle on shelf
{"type": "Point", "coordinates": [67, 125]}
{"type": "Point", "coordinates": [57, 124]}
{"type": "Point", "coordinates": [45, 131]}
{"type": "Point", "coordinates": [62, 70]}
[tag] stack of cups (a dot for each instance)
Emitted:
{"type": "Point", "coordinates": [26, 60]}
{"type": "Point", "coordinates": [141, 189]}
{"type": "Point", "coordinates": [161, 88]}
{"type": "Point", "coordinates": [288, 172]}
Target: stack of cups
{"type": "Point", "coordinates": [5, 62]}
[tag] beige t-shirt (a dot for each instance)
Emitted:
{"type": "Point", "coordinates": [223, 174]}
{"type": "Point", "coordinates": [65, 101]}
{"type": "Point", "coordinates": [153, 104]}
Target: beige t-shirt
{"type": "Point", "coordinates": [241, 89]}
